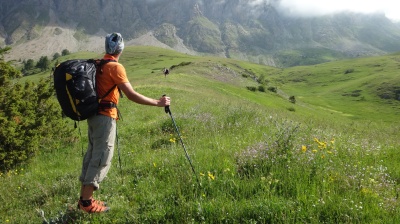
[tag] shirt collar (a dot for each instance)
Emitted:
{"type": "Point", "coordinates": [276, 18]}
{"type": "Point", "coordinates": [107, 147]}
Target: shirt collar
{"type": "Point", "coordinates": [110, 57]}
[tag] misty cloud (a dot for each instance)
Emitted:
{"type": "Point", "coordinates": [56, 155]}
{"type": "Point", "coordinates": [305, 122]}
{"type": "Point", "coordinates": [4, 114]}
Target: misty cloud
{"type": "Point", "coordinates": [312, 8]}
{"type": "Point", "coordinates": [317, 7]}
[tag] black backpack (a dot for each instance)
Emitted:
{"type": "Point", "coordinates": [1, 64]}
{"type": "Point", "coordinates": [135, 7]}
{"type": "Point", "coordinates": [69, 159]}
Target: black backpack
{"type": "Point", "coordinates": [75, 85]}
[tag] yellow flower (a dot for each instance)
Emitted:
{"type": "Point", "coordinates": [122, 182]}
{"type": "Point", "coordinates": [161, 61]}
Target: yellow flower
{"type": "Point", "coordinates": [154, 164]}
{"type": "Point", "coordinates": [172, 140]}
{"type": "Point", "coordinates": [201, 174]}
{"type": "Point", "coordinates": [303, 148]}
{"type": "Point", "coordinates": [314, 151]}
{"type": "Point", "coordinates": [211, 176]}
{"type": "Point", "coordinates": [333, 141]}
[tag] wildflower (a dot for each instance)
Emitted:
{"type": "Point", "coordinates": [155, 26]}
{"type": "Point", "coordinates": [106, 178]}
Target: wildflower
{"type": "Point", "coordinates": [154, 164]}
{"type": "Point", "coordinates": [372, 180]}
{"type": "Point", "coordinates": [314, 150]}
{"type": "Point", "coordinates": [333, 141]}
{"type": "Point", "coordinates": [201, 174]}
{"type": "Point", "coordinates": [322, 145]}
{"type": "Point", "coordinates": [173, 140]}
{"type": "Point", "coordinates": [211, 176]}
{"type": "Point", "coordinates": [303, 148]}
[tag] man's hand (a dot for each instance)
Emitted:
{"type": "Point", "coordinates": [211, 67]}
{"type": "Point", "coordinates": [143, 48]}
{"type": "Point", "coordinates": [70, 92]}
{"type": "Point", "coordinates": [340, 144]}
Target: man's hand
{"type": "Point", "coordinates": [164, 101]}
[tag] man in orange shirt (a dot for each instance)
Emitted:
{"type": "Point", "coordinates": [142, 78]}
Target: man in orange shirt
{"type": "Point", "coordinates": [102, 127]}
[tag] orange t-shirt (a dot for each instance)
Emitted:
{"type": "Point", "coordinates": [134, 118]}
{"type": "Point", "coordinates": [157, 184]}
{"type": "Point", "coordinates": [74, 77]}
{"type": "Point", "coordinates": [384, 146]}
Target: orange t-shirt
{"type": "Point", "coordinates": [113, 74]}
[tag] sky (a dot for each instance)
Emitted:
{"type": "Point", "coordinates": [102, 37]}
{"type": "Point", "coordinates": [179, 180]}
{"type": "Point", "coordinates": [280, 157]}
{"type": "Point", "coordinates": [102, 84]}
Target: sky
{"type": "Point", "coordinates": [391, 8]}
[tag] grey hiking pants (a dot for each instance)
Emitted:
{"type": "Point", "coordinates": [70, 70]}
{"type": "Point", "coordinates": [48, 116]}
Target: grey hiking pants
{"type": "Point", "coordinates": [97, 160]}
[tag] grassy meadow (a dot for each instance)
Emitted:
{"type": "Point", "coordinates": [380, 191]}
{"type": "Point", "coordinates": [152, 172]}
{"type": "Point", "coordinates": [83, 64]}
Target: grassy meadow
{"type": "Point", "coordinates": [331, 157]}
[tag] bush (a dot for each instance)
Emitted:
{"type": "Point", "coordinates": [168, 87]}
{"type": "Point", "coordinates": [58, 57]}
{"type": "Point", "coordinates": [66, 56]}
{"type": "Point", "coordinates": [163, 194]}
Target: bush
{"type": "Point", "coordinates": [291, 109]}
{"type": "Point", "coordinates": [28, 114]}
{"type": "Point", "coordinates": [350, 70]}
{"type": "Point", "coordinates": [65, 52]}
{"type": "Point", "coordinates": [180, 65]}
{"type": "Point", "coordinates": [292, 99]}
{"type": "Point", "coordinates": [251, 88]}
{"type": "Point", "coordinates": [273, 89]}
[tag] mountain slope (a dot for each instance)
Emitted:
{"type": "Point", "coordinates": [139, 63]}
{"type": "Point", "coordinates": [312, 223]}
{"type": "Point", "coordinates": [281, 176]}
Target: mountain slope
{"type": "Point", "coordinates": [233, 29]}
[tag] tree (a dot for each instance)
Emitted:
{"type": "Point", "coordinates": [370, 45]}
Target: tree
{"type": "Point", "coordinates": [29, 64]}
{"type": "Point", "coordinates": [43, 63]}
{"type": "Point", "coordinates": [65, 52]}
{"type": "Point", "coordinates": [56, 55]}
{"type": "Point", "coordinates": [4, 51]}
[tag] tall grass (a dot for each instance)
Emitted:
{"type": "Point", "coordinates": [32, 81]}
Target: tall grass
{"type": "Point", "coordinates": [256, 162]}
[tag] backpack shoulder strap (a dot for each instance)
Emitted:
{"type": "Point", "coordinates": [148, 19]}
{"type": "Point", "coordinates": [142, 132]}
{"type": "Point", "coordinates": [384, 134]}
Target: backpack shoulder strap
{"type": "Point", "coordinates": [99, 64]}
{"type": "Point", "coordinates": [108, 92]}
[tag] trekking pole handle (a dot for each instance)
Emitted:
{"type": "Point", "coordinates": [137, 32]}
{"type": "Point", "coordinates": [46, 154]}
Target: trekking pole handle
{"type": "Point", "coordinates": [166, 108]}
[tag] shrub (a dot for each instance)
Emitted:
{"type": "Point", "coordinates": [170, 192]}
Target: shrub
{"type": "Point", "coordinates": [28, 114]}
{"type": "Point", "coordinates": [291, 109]}
{"type": "Point", "coordinates": [251, 88]}
{"type": "Point", "coordinates": [261, 79]}
{"type": "Point", "coordinates": [292, 99]}
{"type": "Point", "coordinates": [350, 70]}
{"type": "Point", "coordinates": [273, 89]}
{"type": "Point", "coordinates": [180, 65]}
{"type": "Point", "coordinates": [65, 52]}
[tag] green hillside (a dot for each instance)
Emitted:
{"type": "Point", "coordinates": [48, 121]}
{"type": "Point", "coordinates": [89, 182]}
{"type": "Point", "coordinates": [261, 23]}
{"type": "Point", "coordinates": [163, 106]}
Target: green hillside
{"type": "Point", "coordinates": [364, 88]}
{"type": "Point", "coordinates": [330, 157]}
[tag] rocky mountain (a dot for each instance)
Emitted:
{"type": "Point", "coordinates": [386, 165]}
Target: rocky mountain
{"type": "Point", "coordinates": [236, 29]}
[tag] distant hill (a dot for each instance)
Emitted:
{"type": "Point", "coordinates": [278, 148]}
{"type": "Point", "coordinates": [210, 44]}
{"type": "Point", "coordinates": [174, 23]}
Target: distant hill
{"type": "Point", "coordinates": [231, 29]}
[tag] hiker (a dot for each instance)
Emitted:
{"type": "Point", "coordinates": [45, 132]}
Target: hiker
{"type": "Point", "coordinates": [102, 126]}
{"type": "Point", "coordinates": [166, 72]}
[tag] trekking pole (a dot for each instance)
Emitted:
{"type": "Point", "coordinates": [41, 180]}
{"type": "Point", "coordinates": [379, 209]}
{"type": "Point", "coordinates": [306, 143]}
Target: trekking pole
{"type": "Point", "coordinates": [168, 111]}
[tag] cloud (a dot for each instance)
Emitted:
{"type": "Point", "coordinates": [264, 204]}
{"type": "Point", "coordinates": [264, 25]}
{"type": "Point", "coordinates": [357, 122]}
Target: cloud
{"type": "Point", "coordinates": [318, 7]}
{"type": "Point", "coordinates": [391, 8]}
